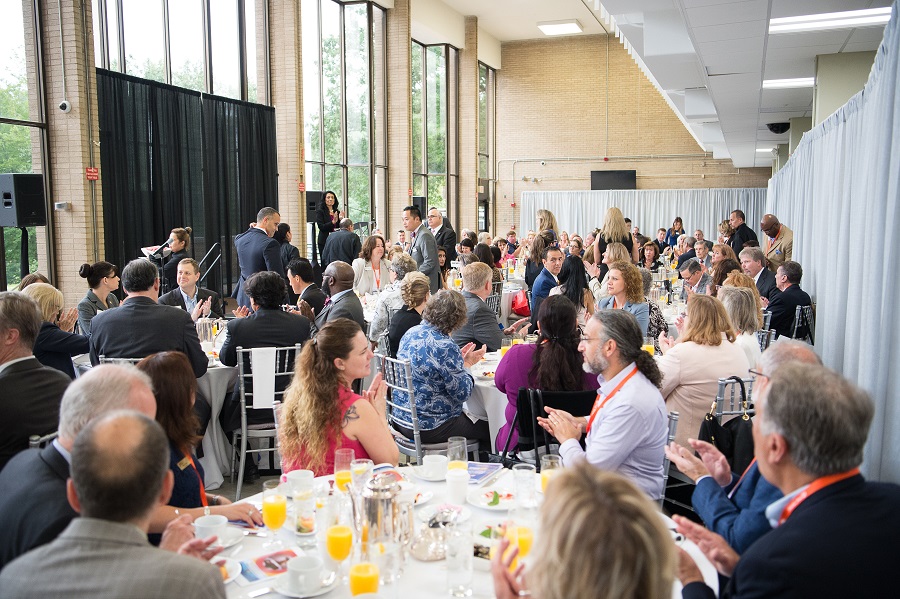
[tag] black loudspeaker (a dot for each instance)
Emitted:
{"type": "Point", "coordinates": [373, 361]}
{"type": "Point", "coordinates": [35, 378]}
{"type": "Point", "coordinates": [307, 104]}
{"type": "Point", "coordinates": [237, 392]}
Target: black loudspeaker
{"type": "Point", "coordinates": [313, 199]}
{"type": "Point", "coordinates": [22, 201]}
{"type": "Point", "coordinates": [420, 202]}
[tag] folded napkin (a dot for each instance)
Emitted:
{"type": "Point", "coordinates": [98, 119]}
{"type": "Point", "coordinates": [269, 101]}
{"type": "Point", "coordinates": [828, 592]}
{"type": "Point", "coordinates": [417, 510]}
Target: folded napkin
{"type": "Point", "coordinates": [263, 361]}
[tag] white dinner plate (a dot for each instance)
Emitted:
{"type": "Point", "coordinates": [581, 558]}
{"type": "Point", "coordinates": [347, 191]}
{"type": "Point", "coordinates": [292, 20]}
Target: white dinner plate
{"type": "Point", "coordinates": [280, 585]}
{"type": "Point", "coordinates": [419, 472]}
{"type": "Point", "coordinates": [482, 497]}
{"type": "Point", "coordinates": [426, 513]}
{"type": "Point", "coordinates": [232, 567]}
{"type": "Point", "coordinates": [423, 498]}
{"type": "Point", "coordinates": [231, 537]}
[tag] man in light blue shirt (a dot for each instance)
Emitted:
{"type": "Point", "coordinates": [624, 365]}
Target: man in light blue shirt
{"type": "Point", "coordinates": [628, 427]}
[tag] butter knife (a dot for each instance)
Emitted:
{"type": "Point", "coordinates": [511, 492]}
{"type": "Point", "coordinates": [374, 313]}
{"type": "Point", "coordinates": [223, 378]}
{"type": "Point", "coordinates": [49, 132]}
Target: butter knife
{"type": "Point", "coordinates": [260, 592]}
{"type": "Point", "coordinates": [493, 478]}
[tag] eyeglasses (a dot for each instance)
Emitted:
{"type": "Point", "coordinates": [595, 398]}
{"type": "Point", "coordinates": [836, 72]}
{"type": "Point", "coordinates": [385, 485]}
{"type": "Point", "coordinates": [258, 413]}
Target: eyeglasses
{"type": "Point", "coordinates": [757, 373]}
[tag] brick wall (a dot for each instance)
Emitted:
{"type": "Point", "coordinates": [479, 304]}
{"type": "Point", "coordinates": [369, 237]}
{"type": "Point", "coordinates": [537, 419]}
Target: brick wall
{"type": "Point", "coordinates": [399, 73]}
{"type": "Point", "coordinates": [571, 101]}
{"type": "Point", "coordinates": [468, 127]}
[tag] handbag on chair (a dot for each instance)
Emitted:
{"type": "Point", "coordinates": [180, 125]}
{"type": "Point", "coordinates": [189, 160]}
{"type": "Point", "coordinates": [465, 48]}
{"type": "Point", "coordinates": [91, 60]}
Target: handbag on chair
{"type": "Point", "coordinates": [520, 304]}
{"type": "Point", "coordinates": [734, 438]}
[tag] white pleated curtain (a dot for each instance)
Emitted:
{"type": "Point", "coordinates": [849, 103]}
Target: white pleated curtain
{"type": "Point", "coordinates": [649, 209]}
{"type": "Point", "coordinates": [840, 193]}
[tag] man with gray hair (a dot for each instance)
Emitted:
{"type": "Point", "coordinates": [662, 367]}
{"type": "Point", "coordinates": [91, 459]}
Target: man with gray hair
{"type": "Point", "coordinates": [628, 426]}
{"type": "Point", "coordinates": [341, 246]}
{"type": "Point", "coordinates": [835, 534]}
{"type": "Point", "coordinates": [482, 326]}
{"type": "Point", "coordinates": [695, 280]}
{"type": "Point", "coordinates": [753, 263]}
{"type": "Point", "coordinates": [390, 300]}
{"type": "Point", "coordinates": [688, 250]}
{"type": "Point", "coordinates": [729, 503]}
{"type": "Point", "coordinates": [29, 404]}
{"type": "Point", "coordinates": [140, 326]}
{"type": "Point", "coordinates": [33, 506]}
{"type": "Point", "coordinates": [120, 474]}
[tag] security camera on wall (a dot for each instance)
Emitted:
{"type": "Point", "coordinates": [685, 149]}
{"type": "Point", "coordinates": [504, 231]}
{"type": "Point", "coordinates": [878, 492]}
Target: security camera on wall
{"type": "Point", "coordinates": [65, 106]}
{"type": "Point", "coordinates": [778, 128]}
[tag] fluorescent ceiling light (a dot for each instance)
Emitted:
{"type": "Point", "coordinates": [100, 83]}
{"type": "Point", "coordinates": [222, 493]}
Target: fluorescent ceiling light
{"type": "Point", "coordinates": [789, 83]}
{"type": "Point", "coordinates": [831, 20]}
{"type": "Point", "coordinates": [764, 150]}
{"type": "Point", "coordinates": [560, 27]}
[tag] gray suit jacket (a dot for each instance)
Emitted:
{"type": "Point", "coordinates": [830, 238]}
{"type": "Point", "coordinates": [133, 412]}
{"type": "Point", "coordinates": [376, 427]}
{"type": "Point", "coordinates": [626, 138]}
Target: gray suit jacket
{"type": "Point", "coordinates": [424, 252]}
{"type": "Point", "coordinates": [346, 306]}
{"type": "Point", "coordinates": [481, 326]}
{"type": "Point", "coordinates": [174, 298]}
{"type": "Point", "coordinates": [98, 558]}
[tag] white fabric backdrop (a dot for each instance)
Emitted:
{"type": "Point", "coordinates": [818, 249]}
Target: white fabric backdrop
{"type": "Point", "coordinates": [840, 193]}
{"type": "Point", "coordinates": [649, 209]}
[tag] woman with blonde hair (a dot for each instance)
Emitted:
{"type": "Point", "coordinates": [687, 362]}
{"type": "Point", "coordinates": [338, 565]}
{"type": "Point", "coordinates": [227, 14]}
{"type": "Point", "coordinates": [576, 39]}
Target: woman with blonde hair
{"type": "Point", "coordinates": [322, 414]}
{"type": "Point", "coordinates": [415, 291]}
{"type": "Point", "coordinates": [628, 553]}
{"type": "Point", "coordinates": [626, 292]}
{"type": "Point", "coordinates": [615, 252]}
{"type": "Point", "coordinates": [725, 232]}
{"type": "Point", "coordinates": [692, 366]}
{"type": "Point", "coordinates": [740, 304]}
{"type": "Point", "coordinates": [546, 220]}
{"type": "Point", "coordinates": [739, 279]}
{"type": "Point", "coordinates": [614, 230]}
{"type": "Point", "coordinates": [56, 344]}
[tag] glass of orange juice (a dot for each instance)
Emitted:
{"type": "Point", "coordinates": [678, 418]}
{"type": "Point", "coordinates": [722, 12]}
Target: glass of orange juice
{"type": "Point", "coordinates": [363, 578]}
{"type": "Point", "coordinates": [551, 465]}
{"type": "Point", "coordinates": [505, 344]}
{"type": "Point", "coordinates": [649, 346]}
{"type": "Point", "coordinates": [339, 543]}
{"type": "Point", "coordinates": [456, 453]}
{"type": "Point", "coordinates": [274, 510]}
{"type": "Point", "coordinates": [342, 460]}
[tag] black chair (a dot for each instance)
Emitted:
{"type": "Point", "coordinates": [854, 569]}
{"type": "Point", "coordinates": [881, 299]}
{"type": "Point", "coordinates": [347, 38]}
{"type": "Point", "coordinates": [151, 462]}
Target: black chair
{"type": "Point", "coordinates": [530, 404]}
{"type": "Point", "coordinates": [804, 325]}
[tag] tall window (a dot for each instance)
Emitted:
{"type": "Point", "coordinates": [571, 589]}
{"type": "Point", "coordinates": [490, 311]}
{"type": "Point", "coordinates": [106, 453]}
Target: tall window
{"type": "Point", "coordinates": [435, 96]}
{"type": "Point", "coordinates": [344, 102]}
{"type": "Point", "coordinates": [22, 127]}
{"type": "Point", "coordinates": [204, 45]}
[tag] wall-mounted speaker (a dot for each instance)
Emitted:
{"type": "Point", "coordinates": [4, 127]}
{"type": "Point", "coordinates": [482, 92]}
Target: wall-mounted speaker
{"type": "Point", "coordinates": [22, 201]}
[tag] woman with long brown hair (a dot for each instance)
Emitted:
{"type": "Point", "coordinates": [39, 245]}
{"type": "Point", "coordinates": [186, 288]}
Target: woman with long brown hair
{"type": "Point", "coordinates": [626, 292]}
{"type": "Point", "coordinates": [322, 414]}
{"type": "Point", "coordinates": [371, 271]}
{"type": "Point", "coordinates": [175, 388]}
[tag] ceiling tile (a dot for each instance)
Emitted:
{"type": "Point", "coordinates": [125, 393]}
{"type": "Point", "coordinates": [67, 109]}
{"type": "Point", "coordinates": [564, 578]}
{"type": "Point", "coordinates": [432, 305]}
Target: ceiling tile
{"type": "Point", "coordinates": [795, 8]}
{"type": "Point", "coordinates": [811, 38]}
{"type": "Point", "coordinates": [733, 31]}
{"type": "Point", "coordinates": [721, 14]}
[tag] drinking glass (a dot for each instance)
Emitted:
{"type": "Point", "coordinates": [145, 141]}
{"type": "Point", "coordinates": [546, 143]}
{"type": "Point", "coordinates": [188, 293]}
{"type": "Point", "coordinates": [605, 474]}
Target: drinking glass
{"type": "Point", "coordinates": [526, 492]}
{"type": "Point", "coordinates": [342, 460]}
{"type": "Point", "coordinates": [456, 453]}
{"type": "Point", "coordinates": [460, 555]}
{"type": "Point", "coordinates": [363, 578]}
{"type": "Point", "coordinates": [360, 473]}
{"type": "Point", "coordinates": [551, 465]}
{"type": "Point", "coordinates": [339, 543]}
{"type": "Point", "coordinates": [649, 346]}
{"type": "Point", "coordinates": [505, 344]}
{"type": "Point", "coordinates": [274, 510]}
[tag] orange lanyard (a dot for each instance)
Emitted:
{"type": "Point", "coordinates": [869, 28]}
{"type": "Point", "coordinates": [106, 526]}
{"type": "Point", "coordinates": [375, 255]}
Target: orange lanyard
{"type": "Point", "coordinates": [814, 487]}
{"type": "Point", "coordinates": [741, 479]}
{"type": "Point", "coordinates": [200, 480]}
{"type": "Point", "coordinates": [598, 405]}
{"type": "Point", "coordinates": [377, 273]}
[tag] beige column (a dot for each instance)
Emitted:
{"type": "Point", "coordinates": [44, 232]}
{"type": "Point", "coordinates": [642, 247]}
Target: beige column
{"type": "Point", "coordinates": [286, 69]}
{"type": "Point", "coordinates": [838, 78]}
{"type": "Point", "coordinates": [399, 94]}
{"type": "Point", "coordinates": [468, 128]}
{"type": "Point", "coordinates": [73, 140]}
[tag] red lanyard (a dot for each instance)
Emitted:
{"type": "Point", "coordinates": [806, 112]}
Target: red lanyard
{"type": "Point", "coordinates": [814, 487]}
{"type": "Point", "coordinates": [741, 479]}
{"type": "Point", "coordinates": [377, 273]}
{"type": "Point", "coordinates": [200, 480]}
{"type": "Point", "coordinates": [598, 404]}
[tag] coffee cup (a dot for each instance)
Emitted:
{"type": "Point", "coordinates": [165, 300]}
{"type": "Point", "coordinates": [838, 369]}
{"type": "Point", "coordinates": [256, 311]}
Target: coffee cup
{"type": "Point", "coordinates": [300, 480]}
{"type": "Point", "coordinates": [457, 486]}
{"type": "Point", "coordinates": [434, 466]}
{"type": "Point", "coordinates": [206, 526]}
{"type": "Point", "coordinates": [304, 574]}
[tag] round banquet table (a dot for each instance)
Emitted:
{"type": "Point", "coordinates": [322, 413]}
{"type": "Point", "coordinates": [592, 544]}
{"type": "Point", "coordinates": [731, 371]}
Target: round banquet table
{"type": "Point", "coordinates": [422, 580]}
{"type": "Point", "coordinates": [486, 401]}
{"type": "Point", "coordinates": [215, 387]}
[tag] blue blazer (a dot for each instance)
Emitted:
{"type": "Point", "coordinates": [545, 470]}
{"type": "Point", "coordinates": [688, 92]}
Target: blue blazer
{"type": "Point", "coordinates": [641, 311]}
{"type": "Point", "coordinates": [742, 518]}
{"type": "Point", "coordinates": [256, 252]}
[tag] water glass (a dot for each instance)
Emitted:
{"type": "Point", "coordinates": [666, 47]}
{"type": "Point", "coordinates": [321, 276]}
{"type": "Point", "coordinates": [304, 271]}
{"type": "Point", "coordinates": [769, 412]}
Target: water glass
{"type": "Point", "coordinates": [360, 473]}
{"type": "Point", "coordinates": [551, 465]}
{"type": "Point", "coordinates": [526, 491]}
{"type": "Point", "coordinates": [459, 549]}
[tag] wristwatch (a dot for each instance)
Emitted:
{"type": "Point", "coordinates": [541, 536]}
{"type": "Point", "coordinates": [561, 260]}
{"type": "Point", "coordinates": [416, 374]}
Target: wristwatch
{"type": "Point", "coordinates": [206, 510]}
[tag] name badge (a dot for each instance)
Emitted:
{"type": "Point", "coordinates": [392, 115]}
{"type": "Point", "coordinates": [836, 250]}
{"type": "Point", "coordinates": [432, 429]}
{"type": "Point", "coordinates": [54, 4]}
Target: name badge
{"type": "Point", "coordinates": [184, 463]}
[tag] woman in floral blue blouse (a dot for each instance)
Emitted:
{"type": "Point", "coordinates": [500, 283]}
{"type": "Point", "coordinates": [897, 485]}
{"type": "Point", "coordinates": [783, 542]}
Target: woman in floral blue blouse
{"type": "Point", "coordinates": [441, 382]}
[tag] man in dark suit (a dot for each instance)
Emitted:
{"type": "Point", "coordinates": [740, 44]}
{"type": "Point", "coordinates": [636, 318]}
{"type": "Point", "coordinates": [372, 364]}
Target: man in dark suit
{"type": "Point", "coordinates": [267, 326]}
{"type": "Point", "coordinates": [343, 303]}
{"type": "Point", "coordinates": [29, 402]}
{"type": "Point", "coordinates": [423, 247]}
{"type": "Point", "coordinates": [482, 326]}
{"type": "Point", "coordinates": [33, 506]}
{"type": "Point", "coordinates": [835, 534]}
{"type": "Point", "coordinates": [300, 276]}
{"type": "Point", "coordinates": [343, 245]}
{"type": "Point", "coordinates": [257, 251]}
{"type": "Point", "coordinates": [140, 326]}
{"type": "Point", "coordinates": [687, 253]}
{"type": "Point", "coordinates": [444, 235]}
{"type": "Point", "coordinates": [189, 296]}
{"type": "Point", "coordinates": [742, 233]}
{"type": "Point", "coordinates": [753, 264]}
{"type": "Point", "coordinates": [784, 305]}
{"type": "Point", "coordinates": [546, 280]}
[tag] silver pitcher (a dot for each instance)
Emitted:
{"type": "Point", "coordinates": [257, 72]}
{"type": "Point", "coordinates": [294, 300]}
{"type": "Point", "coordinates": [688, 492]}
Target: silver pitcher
{"type": "Point", "coordinates": [205, 329]}
{"type": "Point", "coordinates": [380, 510]}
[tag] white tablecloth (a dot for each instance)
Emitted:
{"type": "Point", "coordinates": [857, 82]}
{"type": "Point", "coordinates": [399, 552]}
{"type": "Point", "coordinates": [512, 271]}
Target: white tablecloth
{"type": "Point", "coordinates": [215, 387]}
{"type": "Point", "coordinates": [425, 580]}
{"type": "Point", "coordinates": [486, 401]}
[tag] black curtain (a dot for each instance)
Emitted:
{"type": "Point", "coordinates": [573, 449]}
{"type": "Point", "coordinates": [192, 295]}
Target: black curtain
{"type": "Point", "coordinates": [172, 157]}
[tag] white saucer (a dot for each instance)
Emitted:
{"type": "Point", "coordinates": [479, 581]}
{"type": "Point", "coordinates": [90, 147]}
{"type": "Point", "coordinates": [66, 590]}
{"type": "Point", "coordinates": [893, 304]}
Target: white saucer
{"type": "Point", "coordinates": [423, 497]}
{"type": "Point", "coordinates": [279, 585]}
{"type": "Point", "coordinates": [232, 567]}
{"type": "Point", "coordinates": [231, 537]}
{"type": "Point", "coordinates": [426, 513]}
{"type": "Point", "coordinates": [419, 472]}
